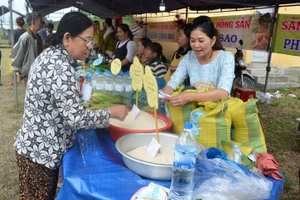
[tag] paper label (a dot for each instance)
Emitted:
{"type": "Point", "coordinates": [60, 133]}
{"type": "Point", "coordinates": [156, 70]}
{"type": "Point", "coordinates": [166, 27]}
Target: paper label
{"type": "Point", "coordinates": [119, 88]}
{"type": "Point", "coordinates": [163, 95]}
{"type": "Point", "coordinates": [153, 147]}
{"type": "Point", "coordinates": [115, 66]}
{"type": "Point", "coordinates": [109, 87]}
{"type": "Point", "coordinates": [128, 88]}
{"type": "Point", "coordinates": [252, 157]}
{"type": "Point", "coordinates": [135, 111]}
{"type": "Point", "coordinates": [99, 86]}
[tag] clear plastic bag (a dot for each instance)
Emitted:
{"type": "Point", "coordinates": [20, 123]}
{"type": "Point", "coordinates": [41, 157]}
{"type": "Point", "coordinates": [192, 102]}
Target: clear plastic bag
{"type": "Point", "coordinates": [217, 177]}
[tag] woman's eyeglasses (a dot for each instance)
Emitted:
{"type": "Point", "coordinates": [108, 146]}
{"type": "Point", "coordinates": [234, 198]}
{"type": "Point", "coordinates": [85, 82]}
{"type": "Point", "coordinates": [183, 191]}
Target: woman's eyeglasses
{"type": "Point", "coordinates": [88, 42]}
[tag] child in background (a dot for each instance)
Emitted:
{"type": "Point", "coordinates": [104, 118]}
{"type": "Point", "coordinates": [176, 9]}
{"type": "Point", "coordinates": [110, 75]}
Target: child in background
{"type": "Point", "coordinates": [157, 62]}
{"type": "Point", "coordinates": [141, 47]}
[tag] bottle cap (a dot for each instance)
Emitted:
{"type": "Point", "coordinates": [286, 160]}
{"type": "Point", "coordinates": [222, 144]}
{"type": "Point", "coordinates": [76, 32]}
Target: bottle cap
{"type": "Point", "coordinates": [107, 72]}
{"type": "Point", "coordinates": [99, 71]}
{"type": "Point", "coordinates": [88, 78]}
{"type": "Point", "coordinates": [188, 125]}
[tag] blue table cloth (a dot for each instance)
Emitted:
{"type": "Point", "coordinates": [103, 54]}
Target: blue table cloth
{"type": "Point", "coordinates": [94, 169]}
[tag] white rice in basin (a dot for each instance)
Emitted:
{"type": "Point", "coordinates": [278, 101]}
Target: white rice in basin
{"type": "Point", "coordinates": [166, 155]}
{"type": "Point", "coordinates": [143, 121]}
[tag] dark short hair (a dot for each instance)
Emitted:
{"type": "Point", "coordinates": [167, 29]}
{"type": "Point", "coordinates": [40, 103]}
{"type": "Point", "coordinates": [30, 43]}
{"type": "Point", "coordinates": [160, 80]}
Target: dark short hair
{"type": "Point", "coordinates": [50, 25]}
{"type": "Point", "coordinates": [20, 21]}
{"type": "Point", "coordinates": [145, 41]}
{"type": "Point", "coordinates": [108, 21]}
{"type": "Point", "coordinates": [157, 48]}
{"type": "Point", "coordinates": [30, 17]}
{"type": "Point", "coordinates": [73, 23]}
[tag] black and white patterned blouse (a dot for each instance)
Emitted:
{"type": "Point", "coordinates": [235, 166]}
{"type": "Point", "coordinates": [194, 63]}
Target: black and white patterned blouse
{"type": "Point", "coordinates": [52, 111]}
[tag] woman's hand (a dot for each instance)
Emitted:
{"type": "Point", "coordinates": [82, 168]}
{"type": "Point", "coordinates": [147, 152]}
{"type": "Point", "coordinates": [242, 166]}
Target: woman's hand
{"type": "Point", "coordinates": [180, 99]}
{"type": "Point", "coordinates": [118, 112]}
{"type": "Point", "coordinates": [162, 97]}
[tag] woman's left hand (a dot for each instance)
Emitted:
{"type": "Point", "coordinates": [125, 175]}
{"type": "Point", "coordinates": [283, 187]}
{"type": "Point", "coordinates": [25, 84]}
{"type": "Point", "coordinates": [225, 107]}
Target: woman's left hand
{"type": "Point", "coordinates": [180, 99]}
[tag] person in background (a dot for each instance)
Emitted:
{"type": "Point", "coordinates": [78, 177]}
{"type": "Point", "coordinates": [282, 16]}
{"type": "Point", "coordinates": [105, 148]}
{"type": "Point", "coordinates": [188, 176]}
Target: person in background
{"type": "Point", "coordinates": [126, 47]}
{"type": "Point", "coordinates": [28, 47]}
{"type": "Point", "coordinates": [156, 61]}
{"type": "Point", "coordinates": [42, 33]}
{"type": "Point", "coordinates": [97, 35]}
{"type": "Point", "coordinates": [207, 63]}
{"type": "Point", "coordinates": [53, 111]}
{"type": "Point", "coordinates": [109, 41]}
{"type": "Point", "coordinates": [49, 29]}
{"type": "Point", "coordinates": [184, 46]}
{"type": "Point", "coordinates": [141, 47]}
{"type": "Point", "coordinates": [17, 33]}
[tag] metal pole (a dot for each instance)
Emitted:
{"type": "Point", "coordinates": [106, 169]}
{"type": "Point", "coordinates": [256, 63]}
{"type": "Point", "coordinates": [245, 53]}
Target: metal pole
{"type": "Point", "coordinates": [186, 14]}
{"type": "Point", "coordinates": [272, 33]}
{"type": "Point", "coordinates": [12, 42]}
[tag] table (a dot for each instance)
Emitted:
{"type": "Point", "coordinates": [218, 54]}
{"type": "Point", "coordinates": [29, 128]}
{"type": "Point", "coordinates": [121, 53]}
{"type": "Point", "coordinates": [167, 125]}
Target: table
{"type": "Point", "coordinates": [94, 169]}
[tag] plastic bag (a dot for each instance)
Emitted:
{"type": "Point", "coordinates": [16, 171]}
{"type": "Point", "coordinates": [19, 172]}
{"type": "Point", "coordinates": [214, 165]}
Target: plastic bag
{"type": "Point", "coordinates": [217, 177]}
{"type": "Point", "coordinates": [235, 154]}
{"type": "Point", "coordinates": [9, 68]}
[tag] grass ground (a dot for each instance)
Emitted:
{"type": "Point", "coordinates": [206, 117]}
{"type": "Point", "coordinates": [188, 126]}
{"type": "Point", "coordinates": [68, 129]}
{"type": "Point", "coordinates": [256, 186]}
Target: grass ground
{"type": "Point", "coordinates": [278, 119]}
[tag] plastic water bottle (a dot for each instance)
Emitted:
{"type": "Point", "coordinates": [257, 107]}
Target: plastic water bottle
{"type": "Point", "coordinates": [119, 84]}
{"type": "Point", "coordinates": [128, 88]}
{"type": "Point", "coordinates": [100, 81]}
{"type": "Point", "coordinates": [86, 90]}
{"type": "Point", "coordinates": [184, 165]}
{"type": "Point", "coordinates": [109, 82]}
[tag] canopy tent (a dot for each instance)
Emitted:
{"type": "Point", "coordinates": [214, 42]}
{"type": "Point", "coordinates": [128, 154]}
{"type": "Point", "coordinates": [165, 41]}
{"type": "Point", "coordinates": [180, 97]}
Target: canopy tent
{"type": "Point", "coordinates": [4, 10]}
{"type": "Point", "coordinates": [127, 7]}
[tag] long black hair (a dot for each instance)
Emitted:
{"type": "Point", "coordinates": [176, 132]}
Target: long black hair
{"type": "Point", "coordinates": [205, 24]}
{"type": "Point", "coordinates": [73, 23]}
{"type": "Point", "coordinates": [125, 28]}
{"type": "Point", "coordinates": [187, 32]}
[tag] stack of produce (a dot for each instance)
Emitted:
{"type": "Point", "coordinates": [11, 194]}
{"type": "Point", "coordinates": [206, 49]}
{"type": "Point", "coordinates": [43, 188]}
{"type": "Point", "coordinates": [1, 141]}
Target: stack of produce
{"type": "Point", "coordinates": [104, 100]}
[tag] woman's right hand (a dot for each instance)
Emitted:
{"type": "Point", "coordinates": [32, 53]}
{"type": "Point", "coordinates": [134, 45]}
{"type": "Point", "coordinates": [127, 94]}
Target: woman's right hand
{"type": "Point", "coordinates": [163, 98]}
{"type": "Point", "coordinates": [118, 112]}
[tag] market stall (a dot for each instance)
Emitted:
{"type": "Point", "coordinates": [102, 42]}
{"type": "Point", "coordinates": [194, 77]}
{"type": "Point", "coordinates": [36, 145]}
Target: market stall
{"type": "Point", "coordinates": [93, 169]}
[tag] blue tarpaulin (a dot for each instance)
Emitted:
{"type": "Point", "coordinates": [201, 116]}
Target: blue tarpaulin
{"type": "Point", "coordinates": [94, 169]}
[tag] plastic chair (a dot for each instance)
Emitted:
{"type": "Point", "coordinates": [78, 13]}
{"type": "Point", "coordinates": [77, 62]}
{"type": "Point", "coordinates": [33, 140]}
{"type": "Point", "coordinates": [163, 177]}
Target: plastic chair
{"type": "Point", "coordinates": [244, 93]}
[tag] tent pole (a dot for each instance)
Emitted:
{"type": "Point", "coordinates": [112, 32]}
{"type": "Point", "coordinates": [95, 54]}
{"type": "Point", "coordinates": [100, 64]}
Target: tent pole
{"type": "Point", "coordinates": [12, 42]}
{"type": "Point", "coordinates": [186, 14]}
{"type": "Point", "coordinates": [272, 33]}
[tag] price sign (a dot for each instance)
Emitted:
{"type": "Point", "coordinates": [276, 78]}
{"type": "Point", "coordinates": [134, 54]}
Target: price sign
{"type": "Point", "coordinates": [136, 74]}
{"type": "Point", "coordinates": [150, 85]}
{"type": "Point", "coordinates": [151, 88]}
{"type": "Point", "coordinates": [115, 66]}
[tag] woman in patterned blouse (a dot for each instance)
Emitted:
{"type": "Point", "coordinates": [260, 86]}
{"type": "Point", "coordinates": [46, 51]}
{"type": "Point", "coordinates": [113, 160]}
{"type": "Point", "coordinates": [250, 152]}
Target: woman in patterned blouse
{"type": "Point", "coordinates": [53, 112]}
{"type": "Point", "coordinates": [206, 65]}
